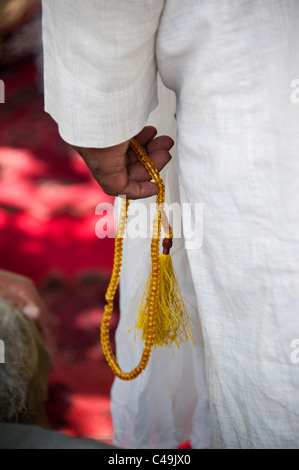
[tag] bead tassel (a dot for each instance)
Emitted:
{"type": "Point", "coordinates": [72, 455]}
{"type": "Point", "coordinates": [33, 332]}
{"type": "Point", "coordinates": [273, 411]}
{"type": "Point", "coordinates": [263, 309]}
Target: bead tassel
{"type": "Point", "coordinates": [162, 318]}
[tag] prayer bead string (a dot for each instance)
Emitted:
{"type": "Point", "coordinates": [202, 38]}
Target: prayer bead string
{"type": "Point", "coordinates": [155, 277]}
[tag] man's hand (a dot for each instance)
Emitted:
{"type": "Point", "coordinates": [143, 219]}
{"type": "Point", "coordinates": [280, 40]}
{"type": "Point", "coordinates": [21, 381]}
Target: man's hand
{"type": "Point", "coordinates": [118, 170]}
{"type": "Point", "coordinates": [22, 292]}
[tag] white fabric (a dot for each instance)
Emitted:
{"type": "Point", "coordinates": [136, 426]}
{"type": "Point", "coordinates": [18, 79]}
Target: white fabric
{"type": "Point", "coordinates": [231, 66]}
{"type": "Point", "coordinates": [90, 77]}
{"type": "Point", "coordinates": [158, 408]}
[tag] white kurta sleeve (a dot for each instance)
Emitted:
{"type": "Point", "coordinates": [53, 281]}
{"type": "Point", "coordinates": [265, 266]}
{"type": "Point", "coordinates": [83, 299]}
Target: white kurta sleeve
{"type": "Point", "coordinates": [99, 67]}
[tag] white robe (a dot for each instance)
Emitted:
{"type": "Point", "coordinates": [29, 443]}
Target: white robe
{"type": "Point", "coordinates": [233, 69]}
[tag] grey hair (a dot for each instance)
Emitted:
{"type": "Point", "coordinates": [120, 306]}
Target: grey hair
{"type": "Point", "coordinates": [20, 361]}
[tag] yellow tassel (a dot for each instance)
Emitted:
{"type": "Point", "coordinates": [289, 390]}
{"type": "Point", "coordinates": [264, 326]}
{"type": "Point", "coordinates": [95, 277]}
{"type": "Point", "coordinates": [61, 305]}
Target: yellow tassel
{"type": "Point", "coordinates": [172, 320]}
{"type": "Point", "coordinates": [163, 318]}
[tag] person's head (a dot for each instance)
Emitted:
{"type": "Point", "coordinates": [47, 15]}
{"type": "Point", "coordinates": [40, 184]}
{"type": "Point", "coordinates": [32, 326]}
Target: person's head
{"type": "Point", "coordinates": [25, 370]}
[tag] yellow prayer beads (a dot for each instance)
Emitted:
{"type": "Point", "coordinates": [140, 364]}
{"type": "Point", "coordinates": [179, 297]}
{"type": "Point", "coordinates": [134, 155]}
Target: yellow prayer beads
{"type": "Point", "coordinates": [163, 318]}
{"type": "Point", "coordinates": [155, 278]}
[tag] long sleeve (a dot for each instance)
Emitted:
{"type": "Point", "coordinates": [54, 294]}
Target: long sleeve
{"type": "Point", "coordinates": [100, 71]}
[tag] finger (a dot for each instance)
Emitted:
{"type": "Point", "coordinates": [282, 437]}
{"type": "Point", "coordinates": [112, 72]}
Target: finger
{"type": "Point", "coordinates": [144, 137]}
{"type": "Point", "coordinates": [140, 190]}
{"type": "Point", "coordinates": [131, 189]}
{"type": "Point", "coordinates": [163, 142]}
{"type": "Point", "coordinates": [147, 134]}
{"type": "Point", "coordinates": [137, 171]}
{"type": "Point", "coordinates": [158, 151]}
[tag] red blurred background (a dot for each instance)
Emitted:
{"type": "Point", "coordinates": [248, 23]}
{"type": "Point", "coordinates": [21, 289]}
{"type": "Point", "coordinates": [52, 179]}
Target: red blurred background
{"type": "Point", "coordinates": [47, 228]}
